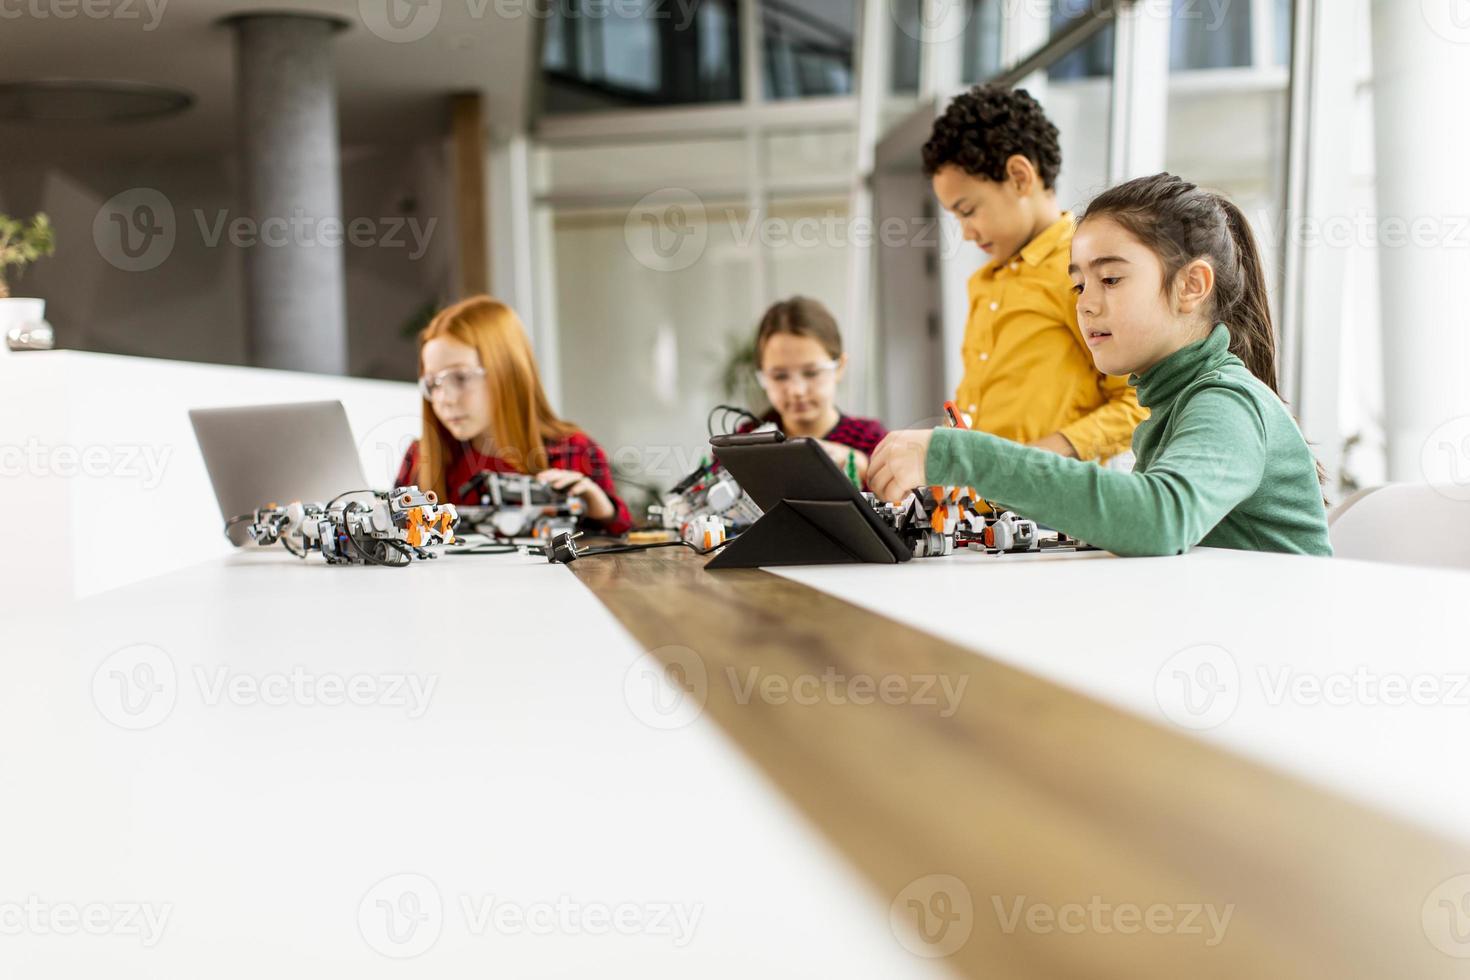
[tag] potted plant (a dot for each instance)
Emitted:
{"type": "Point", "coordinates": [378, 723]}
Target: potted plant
{"type": "Point", "coordinates": [22, 319]}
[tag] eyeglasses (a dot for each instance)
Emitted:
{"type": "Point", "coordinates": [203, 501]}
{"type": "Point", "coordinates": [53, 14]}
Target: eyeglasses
{"type": "Point", "coordinates": [810, 375]}
{"type": "Point", "coordinates": [450, 382]}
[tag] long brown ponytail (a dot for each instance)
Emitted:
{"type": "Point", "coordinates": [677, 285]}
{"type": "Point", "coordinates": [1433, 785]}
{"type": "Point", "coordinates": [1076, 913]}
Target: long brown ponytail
{"type": "Point", "coordinates": [1181, 222]}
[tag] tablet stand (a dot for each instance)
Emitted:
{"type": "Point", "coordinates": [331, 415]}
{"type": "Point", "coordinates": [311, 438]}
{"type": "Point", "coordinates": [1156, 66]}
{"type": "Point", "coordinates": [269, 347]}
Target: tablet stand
{"type": "Point", "coordinates": [806, 532]}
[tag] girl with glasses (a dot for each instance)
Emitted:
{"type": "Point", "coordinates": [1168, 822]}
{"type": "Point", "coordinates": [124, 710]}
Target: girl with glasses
{"type": "Point", "coordinates": [799, 361]}
{"type": "Point", "coordinates": [484, 409]}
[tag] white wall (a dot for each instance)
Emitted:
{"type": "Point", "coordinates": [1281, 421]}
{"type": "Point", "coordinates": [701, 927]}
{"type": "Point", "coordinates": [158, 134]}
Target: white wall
{"type": "Point", "coordinates": [103, 478]}
{"type": "Point", "coordinates": [189, 305]}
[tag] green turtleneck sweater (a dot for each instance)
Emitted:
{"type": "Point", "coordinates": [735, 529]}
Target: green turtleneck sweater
{"type": "Point", "coordinates": [1220, 462]}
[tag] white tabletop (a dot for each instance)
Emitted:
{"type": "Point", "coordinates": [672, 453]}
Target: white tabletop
{"type": "Point", "coordinates": [512, 815]}
{"type": "Point", "coordinates": [1354, 676]}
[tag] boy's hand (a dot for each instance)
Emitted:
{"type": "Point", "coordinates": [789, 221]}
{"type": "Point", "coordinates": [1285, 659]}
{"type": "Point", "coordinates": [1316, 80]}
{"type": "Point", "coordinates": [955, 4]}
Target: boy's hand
{"type": "Point", "coordinates": [898, 464]}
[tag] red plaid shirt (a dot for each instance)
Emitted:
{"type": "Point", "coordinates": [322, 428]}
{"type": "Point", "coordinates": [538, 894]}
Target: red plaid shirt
{"type": "Point", "coordinates": [576, 452]}
{"type": "Point", "coordinates": [851, 431]}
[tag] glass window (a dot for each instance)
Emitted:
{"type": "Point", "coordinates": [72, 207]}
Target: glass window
{"type": "Point", "coordinates": [907, 44]}
{"type": "Point", "coordinates": [1093, 59]}
{"type": "Point", "coordinates": [808, 47]}
{"type": "Point", "coordinates": [1210, 35]}
{"type": "Point", "coordinates": [597, 55]}
{"type": "Point", "coordinates": [1282, 40]}
{"type": "Point", "coordinates": [1233, 139]}
{"type": "Point", "coordinates": [981, 42]}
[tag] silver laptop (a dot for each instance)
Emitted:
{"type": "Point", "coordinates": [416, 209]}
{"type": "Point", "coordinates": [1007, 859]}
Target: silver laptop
{"type": "Point", "coordinates": [263, 454]}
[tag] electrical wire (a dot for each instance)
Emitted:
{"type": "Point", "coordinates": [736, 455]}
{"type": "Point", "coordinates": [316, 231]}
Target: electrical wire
{"type": "Point", "coordinates": [725, 411]}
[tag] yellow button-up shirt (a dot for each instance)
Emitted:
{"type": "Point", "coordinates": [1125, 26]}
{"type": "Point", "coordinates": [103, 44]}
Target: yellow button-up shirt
{"type": "Point", "coordinates": [1028, 371]}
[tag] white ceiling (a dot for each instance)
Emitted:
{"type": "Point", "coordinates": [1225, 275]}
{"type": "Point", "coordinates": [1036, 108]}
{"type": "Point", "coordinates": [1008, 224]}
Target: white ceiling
{"type": "Point", "coordinates": [387, 89]}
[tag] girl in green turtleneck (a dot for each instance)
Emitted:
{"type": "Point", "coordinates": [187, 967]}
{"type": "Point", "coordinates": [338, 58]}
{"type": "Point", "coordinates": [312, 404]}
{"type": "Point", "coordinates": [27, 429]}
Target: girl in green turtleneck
{"type": "Point", "coordinates": [1170, 291]}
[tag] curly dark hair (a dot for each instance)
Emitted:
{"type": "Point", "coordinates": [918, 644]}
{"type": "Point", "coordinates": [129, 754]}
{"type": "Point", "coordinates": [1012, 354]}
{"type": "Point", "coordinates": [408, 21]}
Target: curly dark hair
{"type": "Point", "coordinates": [988, 125]}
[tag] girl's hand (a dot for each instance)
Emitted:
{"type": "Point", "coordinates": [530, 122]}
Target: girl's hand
{"type": "Point", "coordinates": [599, 507]}
{"type": "Point", "coordinates": [839, 454]}
{"type": "Point", "coordinates": [898, 464]}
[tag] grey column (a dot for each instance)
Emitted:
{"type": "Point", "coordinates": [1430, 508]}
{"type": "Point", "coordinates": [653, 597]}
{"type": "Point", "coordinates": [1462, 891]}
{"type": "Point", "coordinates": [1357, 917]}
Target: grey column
{"type": "Point", "coordinates": [295, 279]}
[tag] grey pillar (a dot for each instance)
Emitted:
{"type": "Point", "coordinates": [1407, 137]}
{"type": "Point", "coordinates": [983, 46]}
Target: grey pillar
{"type": "Point", "coordinates": [295, 279]}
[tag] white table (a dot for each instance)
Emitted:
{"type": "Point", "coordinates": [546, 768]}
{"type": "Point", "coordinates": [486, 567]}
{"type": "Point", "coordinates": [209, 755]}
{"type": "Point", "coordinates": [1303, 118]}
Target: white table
{"type": "Point", "coordinates": [272, 837]}
{"type": "Point", "coordinates": [1313, 661]}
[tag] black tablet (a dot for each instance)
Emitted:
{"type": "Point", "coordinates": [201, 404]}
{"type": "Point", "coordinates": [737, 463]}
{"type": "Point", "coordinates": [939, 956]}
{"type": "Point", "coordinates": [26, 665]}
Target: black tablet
{"type": "Point", "coordinates": [799, 474]}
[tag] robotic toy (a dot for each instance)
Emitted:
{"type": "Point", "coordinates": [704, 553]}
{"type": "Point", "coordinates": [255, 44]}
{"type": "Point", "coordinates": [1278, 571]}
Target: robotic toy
{"type": "Point", "coordinates": [398, 527]}
{"type": "Point", "coordinates": [513, 505]}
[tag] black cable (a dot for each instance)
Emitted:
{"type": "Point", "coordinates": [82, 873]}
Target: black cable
{"type": "Point", "coordinates": [727, 411]}
{"type": "Point", "coordinates": [367, 556]}
{"type": "Point", "coordinates": [624, 548]}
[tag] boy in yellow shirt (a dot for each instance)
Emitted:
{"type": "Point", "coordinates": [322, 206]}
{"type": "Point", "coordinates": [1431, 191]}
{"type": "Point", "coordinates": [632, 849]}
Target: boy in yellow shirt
{"type": "Point", "coordinates": [993, 160]}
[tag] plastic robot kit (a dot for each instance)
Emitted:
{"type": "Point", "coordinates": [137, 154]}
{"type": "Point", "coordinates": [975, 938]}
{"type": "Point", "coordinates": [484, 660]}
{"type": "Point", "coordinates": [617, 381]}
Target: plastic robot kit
{"type": "Point", "coordinates": [397, 528]}
{"type": "Point", "coordinates": [937, 521]}
{"type": "Point", "coordinates": [706, 507]}
{"type": "Point", "coordinates": [514, 506]}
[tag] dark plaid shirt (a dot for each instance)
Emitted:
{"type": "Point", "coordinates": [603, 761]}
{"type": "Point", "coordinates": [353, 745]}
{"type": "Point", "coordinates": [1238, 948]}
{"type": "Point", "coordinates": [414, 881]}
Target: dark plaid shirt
{"type": "Point", "coordinates": [851, 431]}
{"type": "Point", "coordinates": [576, 452]}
